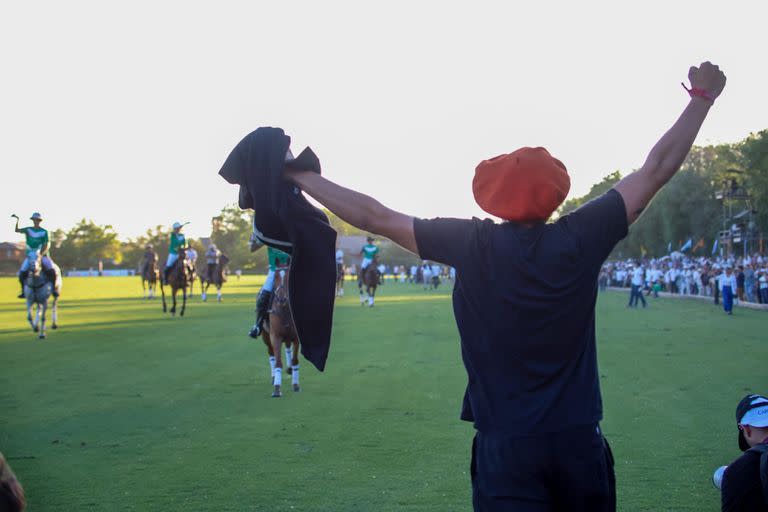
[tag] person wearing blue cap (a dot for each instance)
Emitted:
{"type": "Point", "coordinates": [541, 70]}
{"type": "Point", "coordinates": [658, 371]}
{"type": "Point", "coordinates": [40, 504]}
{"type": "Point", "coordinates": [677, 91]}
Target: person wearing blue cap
{"type": "Point", "coordinates": [37, 241]}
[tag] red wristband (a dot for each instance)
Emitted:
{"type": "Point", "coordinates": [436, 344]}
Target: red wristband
{"type": "Point", "coordinates": [701, 93]}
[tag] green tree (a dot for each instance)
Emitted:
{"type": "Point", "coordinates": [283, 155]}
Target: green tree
{"type": "Point", "coordinates": [686, 207]}
{"type": "Point", "coordinates": [86, 244]}
{"type": "Point", "coordinates": [231, 233]}
{"type": "Point", "coordinates": [754, 151]}
{"type": "Point", "coordinates": [133, 249]}
{"type": "Point", "coordinates": [597, 190]}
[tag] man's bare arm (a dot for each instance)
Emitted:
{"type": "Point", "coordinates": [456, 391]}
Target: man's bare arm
{"type": "Point", "coordinates": [17, 224]}
{"type": "Point", "coordinates": [670, 151]}
{"type": "Point", "coordinates": [361, 211]}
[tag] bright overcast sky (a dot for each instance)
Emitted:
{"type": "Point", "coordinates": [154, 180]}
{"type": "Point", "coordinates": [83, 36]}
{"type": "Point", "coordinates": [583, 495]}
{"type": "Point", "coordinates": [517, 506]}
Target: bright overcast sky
{"type": "Point", "coordinates": [124, 112]}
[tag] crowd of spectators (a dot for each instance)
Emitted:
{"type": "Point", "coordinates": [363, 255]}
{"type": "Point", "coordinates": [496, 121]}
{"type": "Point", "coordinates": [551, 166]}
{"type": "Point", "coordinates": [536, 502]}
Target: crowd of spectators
{"type": "Point", "coordinates": [682, 274]}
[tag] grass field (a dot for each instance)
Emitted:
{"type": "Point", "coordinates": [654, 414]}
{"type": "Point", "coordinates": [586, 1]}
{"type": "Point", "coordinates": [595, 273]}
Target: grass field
{"type": "Point", "coordinates": [124, 408]}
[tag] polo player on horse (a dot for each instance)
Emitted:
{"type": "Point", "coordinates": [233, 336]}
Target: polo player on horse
{"type": "Point", "coordinates": [37, 241]}
{"type": "Point", "coordinates": [277, 258]}
{"type": "Point", "coordinates": [369, 252]}
{"type": "Point", "coordinates": [177, 242]}
{"type": "Point", "coordinates": [150, 258]}
{"type": "Point", "coordinates": [148, 269]}
{"type": "Point", "coordinates": [212, 256]}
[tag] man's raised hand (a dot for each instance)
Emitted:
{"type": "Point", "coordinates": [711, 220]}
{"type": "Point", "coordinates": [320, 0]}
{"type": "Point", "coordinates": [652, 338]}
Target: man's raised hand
{"type": "Point", "coordinates": [707, 77]}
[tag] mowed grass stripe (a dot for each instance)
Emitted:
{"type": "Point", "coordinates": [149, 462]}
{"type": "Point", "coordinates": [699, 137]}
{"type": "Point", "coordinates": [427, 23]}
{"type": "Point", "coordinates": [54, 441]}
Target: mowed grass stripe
{"type": "Point", "coordinates": [125, 408]}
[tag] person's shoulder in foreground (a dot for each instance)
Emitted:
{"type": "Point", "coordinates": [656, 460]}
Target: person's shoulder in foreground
{"type": "Point", "coordinates": [742, 486]}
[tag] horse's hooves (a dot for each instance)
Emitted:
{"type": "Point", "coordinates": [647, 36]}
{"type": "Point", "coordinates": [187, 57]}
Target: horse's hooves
{"type": "Point", "coordinates": [36, 329]}
{"type": "Point", "coordinates": [55, 326]}
{"type": "Point", "coordinates": [181, 314]}
{"type": "Point", "coordinates": [276, 393]}
{"type": "Point", "coordinates": [296, 388]}
{"type": "Point", "coordinates": [289, 371]}
{"type": "Point", "coordinates": [42, 336]}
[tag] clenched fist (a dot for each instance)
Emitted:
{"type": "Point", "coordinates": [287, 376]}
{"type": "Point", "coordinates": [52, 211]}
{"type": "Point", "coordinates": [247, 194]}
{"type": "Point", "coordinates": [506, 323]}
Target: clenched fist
{"type": "Point", "coordinates": [707, 77]}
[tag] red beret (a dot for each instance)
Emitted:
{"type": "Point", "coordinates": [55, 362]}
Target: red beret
{"type": "Point", "coordinates": [526, 185]}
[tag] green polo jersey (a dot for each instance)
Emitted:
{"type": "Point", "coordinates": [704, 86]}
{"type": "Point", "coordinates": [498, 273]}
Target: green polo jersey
{"type": "Point", "coordinates": [370, 251]}
{"type": "Point", "coordinates": [36, 238]}
{"type": "Point", "coordinates": [177, 242]}
{"type": "Point", "coordinates": [277, 258]}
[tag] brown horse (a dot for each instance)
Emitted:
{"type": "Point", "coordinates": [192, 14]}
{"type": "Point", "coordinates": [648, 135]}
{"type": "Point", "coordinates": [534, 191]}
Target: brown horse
{"type": "Point", "coordinates": [279, 329]}
{"type": "Point", "coordinates": [213, 275]}
{"type": "Point", "coordinates": [370, 279]}
{"type": "Point", "coordinates": [179, 278]}
{"type": "Point", "coordinates": [150, 275]}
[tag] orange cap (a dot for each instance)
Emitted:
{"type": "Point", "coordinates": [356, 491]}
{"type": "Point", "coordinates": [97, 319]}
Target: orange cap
{"type": "Point", "coordinates": [526, 185]}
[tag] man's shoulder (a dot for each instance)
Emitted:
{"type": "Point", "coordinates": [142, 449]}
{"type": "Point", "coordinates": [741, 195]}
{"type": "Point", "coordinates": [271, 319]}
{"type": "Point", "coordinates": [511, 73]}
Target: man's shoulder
{"type": "Point", "coordinates": [746, 465]}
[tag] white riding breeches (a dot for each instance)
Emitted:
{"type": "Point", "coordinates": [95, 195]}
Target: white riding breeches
{"type": "Point", "coordinates": [365, 263]}
{"type": "Point", "coordinates": [47, 264]}
{"type": "Point", "coordinates": [171, 259]}
{"type": "Point", "coordinates": [269, 282]}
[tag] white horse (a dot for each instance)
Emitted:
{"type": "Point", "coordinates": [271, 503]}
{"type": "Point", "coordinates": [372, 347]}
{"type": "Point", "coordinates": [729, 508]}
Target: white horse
{"type": "Point", "coordinates": [38, 289]}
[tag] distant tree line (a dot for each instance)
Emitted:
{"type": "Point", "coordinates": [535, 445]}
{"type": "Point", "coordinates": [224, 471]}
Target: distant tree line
{"type": "Point", "coordinates": [87, 243]}
{"type": "Point", "coordinates": [713, 180]}
{"type": "Point", "coordinates": [717, 187]}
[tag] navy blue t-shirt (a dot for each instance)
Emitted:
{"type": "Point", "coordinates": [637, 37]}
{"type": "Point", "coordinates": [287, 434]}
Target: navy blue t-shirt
{"type": "Point", "coordinates": [524, 302]}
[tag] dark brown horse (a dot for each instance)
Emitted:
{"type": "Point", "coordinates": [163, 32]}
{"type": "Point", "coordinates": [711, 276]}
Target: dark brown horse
{"type": "Point", "coordinates": [279, 329]}
{"type": "Point", "coordinates": [179, 278]}
{"type": "Point", "coordinates": [213, 275]}
{"type": "Point", "coordinates": [150, 275]}
{"type": "Point", "coordinates": [370, 279]}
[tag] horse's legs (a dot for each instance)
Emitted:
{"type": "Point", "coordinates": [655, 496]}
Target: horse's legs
{"type": "Point", "coordinates": [295, 366]}
{"type": "Point", "coordinates": [218, 293]}
{"type": "Point", "coordinates": [29, 315]}
{"type": "Point", "coordinates": [55, 313]}
{"type": "Point", "coordinates": [268, 342]}
{"type": "Point", "coordinates": [371, 294]}
{"type": "Point", "coordinates": [277, 341]}
{"type": "Point", "coordinates": [143, 289]}
{"type": "Point", "coordinates": [173, 294]}
{"type": "Point", "coordinates": [204, 290]}
{"type": "Point", "coordinates": [289, 356]}
{"type": "Point", "coordinates": [42, 308]}
{"type": "Point", "coordinates": [362, 297]}
{"type": "Point", "coordinates": [162, 292]}
{"type": "Point", "coordinates": [183, 301]}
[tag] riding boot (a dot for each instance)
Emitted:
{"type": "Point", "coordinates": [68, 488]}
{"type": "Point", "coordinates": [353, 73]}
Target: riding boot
{"type": "Point", "coordinates": [22, 280]}
{"type": "Point", "coordinates": [51, 275]}
{"type": "Point", "coordinates": [262, 308]}
{"type": "Point", "coordinates": [166, 270]}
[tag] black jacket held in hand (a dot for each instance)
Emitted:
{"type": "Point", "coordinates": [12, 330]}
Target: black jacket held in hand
{"type": "Point", "coordinates": [285, 220]}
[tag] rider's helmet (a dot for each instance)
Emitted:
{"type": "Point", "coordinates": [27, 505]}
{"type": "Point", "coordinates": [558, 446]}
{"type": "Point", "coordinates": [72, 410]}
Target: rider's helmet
{"type": "Point", "coordinates": [177, 225]}
{"type": "Point", "coordinates": [370, 239]}
{"type": "Point", "coordinates": [149, 246]}
{"type": "Point", "coordinates": [36, 216]}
